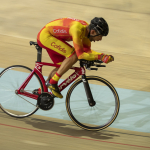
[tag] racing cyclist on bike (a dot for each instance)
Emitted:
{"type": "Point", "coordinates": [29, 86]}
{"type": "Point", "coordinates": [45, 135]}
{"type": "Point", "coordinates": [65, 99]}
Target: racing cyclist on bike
{"type": "Point", "coordinates": [53, 38]}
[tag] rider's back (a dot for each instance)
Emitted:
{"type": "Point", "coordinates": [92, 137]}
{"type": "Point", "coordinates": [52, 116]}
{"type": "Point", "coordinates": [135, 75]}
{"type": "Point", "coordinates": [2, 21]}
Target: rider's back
{"type": "Point", "coordinates": [66, 28]}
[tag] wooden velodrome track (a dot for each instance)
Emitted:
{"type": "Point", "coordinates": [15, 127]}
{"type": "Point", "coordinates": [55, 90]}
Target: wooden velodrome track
{"type": "Point", "coordinates": [130, 70]}
{"type": "Point", "coordinates": [38, 132]}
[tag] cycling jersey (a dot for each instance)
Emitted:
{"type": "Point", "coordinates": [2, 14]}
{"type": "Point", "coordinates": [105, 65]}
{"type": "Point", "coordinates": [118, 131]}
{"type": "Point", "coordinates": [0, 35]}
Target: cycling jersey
{"type": "Point", "coordinates": [56, 32]}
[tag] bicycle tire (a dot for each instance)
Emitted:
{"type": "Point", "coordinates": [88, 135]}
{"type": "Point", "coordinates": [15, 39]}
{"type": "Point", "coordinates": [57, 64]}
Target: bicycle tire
{"type": "Point", "coordinates": [78, 116]}
{"type": "Point", "coordinates": [11, 79]}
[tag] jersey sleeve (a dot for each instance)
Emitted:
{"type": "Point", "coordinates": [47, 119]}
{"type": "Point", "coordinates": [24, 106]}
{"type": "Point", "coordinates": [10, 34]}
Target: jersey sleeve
{"type": "Point", "coordinates": [87, 47]}
{"type": "Point", "coordinates": [83, 50]}
{"type": "Point", "coordinates": [94, 52]}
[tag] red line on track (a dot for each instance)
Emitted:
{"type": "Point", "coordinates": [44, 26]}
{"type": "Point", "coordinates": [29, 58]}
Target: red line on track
{"type": "Point", "coordinates": [72, 136]}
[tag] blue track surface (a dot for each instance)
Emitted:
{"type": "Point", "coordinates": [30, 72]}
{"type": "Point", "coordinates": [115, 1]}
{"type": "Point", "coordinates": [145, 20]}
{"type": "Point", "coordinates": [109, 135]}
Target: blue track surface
{"type": "Point", "coordinates": [134, 110]}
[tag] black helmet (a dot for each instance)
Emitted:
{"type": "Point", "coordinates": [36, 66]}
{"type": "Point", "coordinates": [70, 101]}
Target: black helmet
{"type": "Point", "coordinates": [100, 25]}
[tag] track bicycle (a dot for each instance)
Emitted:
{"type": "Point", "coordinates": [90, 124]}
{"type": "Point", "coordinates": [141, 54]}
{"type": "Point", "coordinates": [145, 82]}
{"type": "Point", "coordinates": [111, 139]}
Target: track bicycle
{"type": "Point", "coordinates": [92, 102]}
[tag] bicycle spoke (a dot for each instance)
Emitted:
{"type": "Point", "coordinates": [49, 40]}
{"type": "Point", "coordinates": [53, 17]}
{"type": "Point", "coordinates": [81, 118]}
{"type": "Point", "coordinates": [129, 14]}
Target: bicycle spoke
{"type": "Point", "coordinates": [8, 99]}
{"type": "Point", "coordinates": [6, 90]}
{"type": "Point", "coordinates": [4, 87]}
{"type": "Point", "coordinates": [27, 101]}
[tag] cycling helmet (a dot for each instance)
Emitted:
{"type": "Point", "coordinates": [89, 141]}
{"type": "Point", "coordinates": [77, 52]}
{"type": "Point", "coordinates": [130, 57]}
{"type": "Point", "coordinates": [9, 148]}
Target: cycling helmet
{"type": "Point", "coordinates": [99, 25]}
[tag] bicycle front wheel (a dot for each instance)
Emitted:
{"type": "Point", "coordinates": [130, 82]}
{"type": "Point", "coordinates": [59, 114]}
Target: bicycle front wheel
{"type": "Point", "coordinates": [13, 104]}
{"type": "Point", "coordinates": [96, 117]}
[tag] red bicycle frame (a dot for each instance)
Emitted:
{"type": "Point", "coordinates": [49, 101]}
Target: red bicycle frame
{"type": "Point", "coordinates": [38, 71]}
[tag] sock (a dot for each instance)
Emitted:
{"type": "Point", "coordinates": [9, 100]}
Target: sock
{"type": "Point", "coordinates": [55, 79]}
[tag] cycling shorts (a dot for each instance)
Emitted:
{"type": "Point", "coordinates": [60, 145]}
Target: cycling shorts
{"type": "Point", "coordinates": [57, 49]}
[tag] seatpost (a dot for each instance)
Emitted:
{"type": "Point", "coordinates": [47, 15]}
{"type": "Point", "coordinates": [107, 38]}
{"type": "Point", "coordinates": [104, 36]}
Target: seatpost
{"type": "Point", "coordinates": [39, 53]}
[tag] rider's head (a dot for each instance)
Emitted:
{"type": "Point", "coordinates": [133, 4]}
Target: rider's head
{"type": "Point", "coordinates": [98, 28]}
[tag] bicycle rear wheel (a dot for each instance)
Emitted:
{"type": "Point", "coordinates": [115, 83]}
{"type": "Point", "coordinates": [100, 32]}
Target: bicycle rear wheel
{"type": "Point", "coordinates": [13, 104]}
{"type": "Point", "coordinates": [96, 117]}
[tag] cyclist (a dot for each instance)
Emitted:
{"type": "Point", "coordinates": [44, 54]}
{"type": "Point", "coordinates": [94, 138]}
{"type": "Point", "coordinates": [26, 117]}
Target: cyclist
{"type": "Point", "coordinates": [53, 37]}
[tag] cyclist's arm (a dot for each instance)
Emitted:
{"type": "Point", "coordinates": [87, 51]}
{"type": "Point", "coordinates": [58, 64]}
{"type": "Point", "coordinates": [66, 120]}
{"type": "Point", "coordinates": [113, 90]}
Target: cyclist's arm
{"type": "Point", "coordinates": [78, 45]}
{"type": "Point", "coordinates": [94, 52]}
{"type": "Point", "coordinates": [87, 48]}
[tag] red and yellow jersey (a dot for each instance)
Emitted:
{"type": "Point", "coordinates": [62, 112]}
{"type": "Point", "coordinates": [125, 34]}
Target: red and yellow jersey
{"type": "Point", "coordinates": [70, 29]}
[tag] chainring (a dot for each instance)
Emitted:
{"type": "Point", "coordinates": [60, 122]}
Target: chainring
{"type": "Point", "coordinates": [45, 101]}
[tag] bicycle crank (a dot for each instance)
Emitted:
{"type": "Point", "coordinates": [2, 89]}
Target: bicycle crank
{"type": "Point", "coordinates": [45, 101]}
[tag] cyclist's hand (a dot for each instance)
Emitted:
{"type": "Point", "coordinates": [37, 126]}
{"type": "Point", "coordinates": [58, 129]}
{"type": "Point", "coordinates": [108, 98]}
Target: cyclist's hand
{"type": "Point", "coordinates": [107, 58]}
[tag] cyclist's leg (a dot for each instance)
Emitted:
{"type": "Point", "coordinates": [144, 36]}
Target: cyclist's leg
{"type": "Point", "coordinates": [67, 64]}
{"type": "Point", "coordinates": [52, 73]}
{"type": "Point", "coordinates": [58, 50]}
{"type": "Point", "coordinates": [57, 59]}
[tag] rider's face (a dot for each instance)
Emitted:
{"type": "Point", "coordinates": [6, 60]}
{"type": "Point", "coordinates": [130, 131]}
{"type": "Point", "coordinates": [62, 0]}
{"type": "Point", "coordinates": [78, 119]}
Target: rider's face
{"type": "Point", "coordinates": [95, 38]}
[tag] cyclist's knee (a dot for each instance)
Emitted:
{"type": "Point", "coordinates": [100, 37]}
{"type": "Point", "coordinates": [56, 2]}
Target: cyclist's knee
{"type": "Point", "coordinates": [74, 57]}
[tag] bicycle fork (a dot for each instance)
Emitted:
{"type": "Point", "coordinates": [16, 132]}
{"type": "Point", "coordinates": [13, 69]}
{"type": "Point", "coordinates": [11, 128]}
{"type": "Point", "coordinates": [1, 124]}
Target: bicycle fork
{"type": "Point", "coordinates": [88, 91]}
